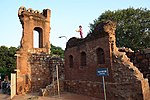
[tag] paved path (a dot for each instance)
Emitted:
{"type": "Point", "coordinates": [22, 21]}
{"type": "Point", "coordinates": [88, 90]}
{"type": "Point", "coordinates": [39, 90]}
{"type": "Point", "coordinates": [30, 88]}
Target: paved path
{"type": "Point", "coordinates": [64, 96]}
{"type": "Point", "coordinates": [4, 96]}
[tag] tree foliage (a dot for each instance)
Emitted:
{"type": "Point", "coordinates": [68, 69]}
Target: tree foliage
{"type": "Point", "coordinates": [133, 27]}
{"type": "Point", "coordinates": [57, 51]}
{"type": "Point", "coordinates": [7, 59]}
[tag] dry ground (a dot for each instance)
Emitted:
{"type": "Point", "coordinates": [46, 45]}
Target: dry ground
{"type": "Point", "coordinates": [64, 96]}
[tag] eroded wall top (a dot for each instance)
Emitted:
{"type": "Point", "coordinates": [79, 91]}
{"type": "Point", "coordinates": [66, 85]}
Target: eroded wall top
{"type": "Point", "coordinates": [34, 20]}
{"type": "Point", "coordinates": [105, 28]}
{"type": "Point", "coordinates": [36, 13]}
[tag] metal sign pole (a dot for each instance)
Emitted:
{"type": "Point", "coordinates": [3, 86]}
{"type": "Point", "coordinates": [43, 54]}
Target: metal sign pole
{"type": "Point", "coordinates": [104, 88]}
{"type": "Point", "coordinates": [103, 72]}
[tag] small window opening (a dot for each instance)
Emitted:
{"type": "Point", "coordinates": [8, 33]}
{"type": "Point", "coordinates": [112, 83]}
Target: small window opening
{"type": "Point", "coordinates": [100, 56]}
{"type": "Point", "coordinates": [70, 61]}
{"type": "Point", "coordinates": [83, 59]}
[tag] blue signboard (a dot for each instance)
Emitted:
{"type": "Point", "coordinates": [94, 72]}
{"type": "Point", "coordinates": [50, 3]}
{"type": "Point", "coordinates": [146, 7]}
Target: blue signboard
{"type": "Point", "coordinates": [102, 72]}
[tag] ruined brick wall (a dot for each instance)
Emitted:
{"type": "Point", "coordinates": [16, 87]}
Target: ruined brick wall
{"type": "Point", "coordinates": [85, 87]}
{"type": "Point", "coordinates": [40, 71]}
{"type": "Point", "coordinates": [128, 83]}
{"type": "Point", "coordinates": [114, 91]}
{"type": "Point", "coordinates": [88, 71]}
{"type": "Point", "coordinates": [125, 81]}
{"type": "Point", "coordinates": [56, 68]}
{"type": "Point", "coordinates": [89, 46]}
{"type": "Point", "coordinates": [29, 74]}
{"type": "Point", "coordinates": [141, 59]}
{"type": "Point", "coordinates": [52, 89]}
{"type": "Point", "coordinates": [38, 74]}
{"type": "Point", "coordinates": [124, 72]}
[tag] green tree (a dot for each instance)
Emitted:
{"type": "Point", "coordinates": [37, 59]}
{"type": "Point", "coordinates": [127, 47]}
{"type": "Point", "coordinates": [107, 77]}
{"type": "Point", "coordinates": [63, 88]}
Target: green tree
{"type": "Point", "coordinates": [7, 59]}
{"type": "Point", "coordinates": [57, 51]}
{"type": "Point", "coordinates": [133, 27]}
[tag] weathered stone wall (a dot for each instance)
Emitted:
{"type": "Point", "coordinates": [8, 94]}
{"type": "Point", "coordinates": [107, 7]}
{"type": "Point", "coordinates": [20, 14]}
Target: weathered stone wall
{"type": "Point", "coordinates": [87, 72]}
{"type": "Point", "coordinates": [40, 71]}
{"type": "Point", "coordinates": [141, 59]}
{"type": "Point", "coordinates": [105, 40]}
{"type": "Point", "coordinates": [124, 72]}
{"type": "Point", "coordinates": [113, 90]}
{"type": "Point", "coordinates": [128, 82]}
{"type": "Point", "coordinates": [42, 74]}
{"type": "Point", "coordinates": [52, 89]}
{"type": "Point", "coordinates": [125, 81]}
{"type": "Point", "coordinates": [84, 87]}
{"type": "Point", "coordinates": [56, 71]}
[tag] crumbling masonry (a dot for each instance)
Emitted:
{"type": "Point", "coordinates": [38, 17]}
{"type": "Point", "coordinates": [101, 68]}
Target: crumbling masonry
{"type": "Point", "coordinates": [98, 50]}
{"type": "Point", "coordinates": [141, 59]}
{"type": "Point", "coordinates": [33, 63]}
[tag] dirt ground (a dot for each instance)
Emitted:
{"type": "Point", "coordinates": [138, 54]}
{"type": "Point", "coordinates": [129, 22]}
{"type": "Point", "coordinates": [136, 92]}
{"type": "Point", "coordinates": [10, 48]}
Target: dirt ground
{"type": "Point", "coordinates": [63, 96]}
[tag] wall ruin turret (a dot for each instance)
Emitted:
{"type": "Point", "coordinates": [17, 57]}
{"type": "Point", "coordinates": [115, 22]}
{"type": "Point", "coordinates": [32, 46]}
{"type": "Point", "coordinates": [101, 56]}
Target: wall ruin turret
{"type": "Point", "coordinates": [33, 20]}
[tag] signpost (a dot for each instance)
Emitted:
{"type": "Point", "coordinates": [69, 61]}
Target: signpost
{"type": "Point", "coordinates": [103, 72]}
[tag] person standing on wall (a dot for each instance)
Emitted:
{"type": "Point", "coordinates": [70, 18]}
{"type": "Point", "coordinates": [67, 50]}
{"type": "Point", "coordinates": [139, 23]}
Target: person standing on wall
{"type": "Point", "coordinates": [80, 31]}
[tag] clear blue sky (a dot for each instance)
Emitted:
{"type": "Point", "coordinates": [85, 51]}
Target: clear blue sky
{"type": "Point", "coordinates": [66, 16]}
